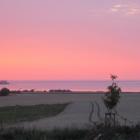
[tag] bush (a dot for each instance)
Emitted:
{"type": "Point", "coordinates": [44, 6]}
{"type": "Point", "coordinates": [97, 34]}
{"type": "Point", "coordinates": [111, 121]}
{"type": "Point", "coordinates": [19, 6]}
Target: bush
{"type": "Point", "coordinates": [4, 92]}
{"type": "Point", "coordinates": [112, 97]}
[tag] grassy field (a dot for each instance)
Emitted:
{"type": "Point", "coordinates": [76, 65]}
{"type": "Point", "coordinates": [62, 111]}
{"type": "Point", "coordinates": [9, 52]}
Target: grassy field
{"type": "Point", "coordinates": [13, 114]}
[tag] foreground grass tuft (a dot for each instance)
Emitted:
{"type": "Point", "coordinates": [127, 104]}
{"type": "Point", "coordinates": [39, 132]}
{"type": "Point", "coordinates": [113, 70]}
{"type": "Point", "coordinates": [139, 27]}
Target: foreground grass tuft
{"type": "Point", "coordinates": [115, 133]}
{"type": "Point", "coordinates": [100, 133]}
{"type": "Point", "coordinates": [22, 134]}
{"type": "Point", "coordinates": [13, 114]}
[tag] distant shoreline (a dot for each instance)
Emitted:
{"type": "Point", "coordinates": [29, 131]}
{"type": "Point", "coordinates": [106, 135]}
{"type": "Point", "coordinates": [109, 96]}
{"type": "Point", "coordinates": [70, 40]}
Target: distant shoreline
{"type": "Point", "coordinates": [72, 92]}
{"type": "Point", "coordinates": [82, 86]}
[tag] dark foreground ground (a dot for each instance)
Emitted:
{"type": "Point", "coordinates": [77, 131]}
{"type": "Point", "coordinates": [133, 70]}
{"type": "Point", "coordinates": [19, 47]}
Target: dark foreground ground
{"type": "Point", "coordinates": [98, 133]}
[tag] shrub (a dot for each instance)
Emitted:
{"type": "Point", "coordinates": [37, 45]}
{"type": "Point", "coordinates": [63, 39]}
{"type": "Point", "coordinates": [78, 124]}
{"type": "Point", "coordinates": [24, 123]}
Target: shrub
{"type": "Point", "coordinates": [112, 97]}
{"type": "Point", "coordinates": [4, 92]}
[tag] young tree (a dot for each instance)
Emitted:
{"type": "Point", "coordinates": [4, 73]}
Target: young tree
{"type": "Point", "coordinates": [111, 99]}
{"type": "Point", "coordinates": [112, 96]}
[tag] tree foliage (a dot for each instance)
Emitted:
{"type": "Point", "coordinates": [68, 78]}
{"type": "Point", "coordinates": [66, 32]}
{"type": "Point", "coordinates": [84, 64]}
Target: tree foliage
{"type": "Point", "coordinates": [4, 92]}
{"type": "Point", "coordinates": [112, 96]}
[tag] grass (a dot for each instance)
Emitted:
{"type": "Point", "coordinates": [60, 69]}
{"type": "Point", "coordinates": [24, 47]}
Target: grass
{"type": "Point", "coordinates": [94, 133]}
{"type": "Point", "coordinates": [22, 134]}
{"type": "Point", "coordinates": [115, 133]}
{"type": "Point", "coordinates": [118, 133]}
{"type": "Point", "coordinates": [13, 114]}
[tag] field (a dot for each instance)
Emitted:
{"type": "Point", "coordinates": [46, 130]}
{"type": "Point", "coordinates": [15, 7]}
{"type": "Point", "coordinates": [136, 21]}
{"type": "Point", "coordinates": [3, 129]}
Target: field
{"type": "Point", "coordinates": [18, 113]}
{"type": "Point", "coordinates": [77, 112]}
{"type": "Point", "coordinates": [65, 117]}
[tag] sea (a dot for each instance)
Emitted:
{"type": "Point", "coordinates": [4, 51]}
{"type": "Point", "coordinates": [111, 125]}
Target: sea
{"type": "Point", "coordinates": [126, 86]}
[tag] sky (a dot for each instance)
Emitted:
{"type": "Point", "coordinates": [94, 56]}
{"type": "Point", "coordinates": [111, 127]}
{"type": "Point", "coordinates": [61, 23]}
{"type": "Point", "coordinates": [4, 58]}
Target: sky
{"type": "Point", "coordinates": [69, 39]}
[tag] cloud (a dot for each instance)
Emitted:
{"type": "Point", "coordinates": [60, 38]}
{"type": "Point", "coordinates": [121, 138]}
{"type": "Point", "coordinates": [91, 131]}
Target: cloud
{"type": "Point", "coordinates": [125, 9]}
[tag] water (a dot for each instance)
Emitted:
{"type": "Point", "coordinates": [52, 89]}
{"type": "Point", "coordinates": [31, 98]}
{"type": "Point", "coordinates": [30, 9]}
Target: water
{"type": "Point", "coordinates": [72, 85]}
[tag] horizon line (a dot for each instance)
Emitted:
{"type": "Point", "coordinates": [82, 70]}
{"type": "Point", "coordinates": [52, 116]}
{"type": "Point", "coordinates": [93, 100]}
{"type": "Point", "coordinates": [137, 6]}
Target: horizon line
{"type": "Point", "coordinates": [72, 80]}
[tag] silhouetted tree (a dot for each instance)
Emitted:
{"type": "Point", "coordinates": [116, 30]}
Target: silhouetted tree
{"type": "Point", "coordinates": [111, 99]}
{"type": "Point", "coordinates": [4, 92]}
{"type": "Point", "coordinates": [112, 96]}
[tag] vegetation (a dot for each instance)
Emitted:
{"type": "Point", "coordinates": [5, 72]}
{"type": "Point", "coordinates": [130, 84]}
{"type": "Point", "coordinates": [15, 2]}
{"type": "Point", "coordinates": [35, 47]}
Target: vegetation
{"type": "Point", "coordinates": [4, 92]}
{"type": "Point", "coordinates": [100, 133]}
{"type": "Point", "coordinates": [111, 100]}
{"type": "Point", "coordinates": [22, 134]}
{"type": "Point", "coordinates": [13, 114]}
{"type": "Point", "coordinates": [112, 97]}
{"type": "Point", "coordinates": [115, 133]}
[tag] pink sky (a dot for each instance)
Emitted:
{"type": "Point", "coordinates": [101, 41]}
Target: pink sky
{"type": "Point", "coordinates": [69, 40]}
